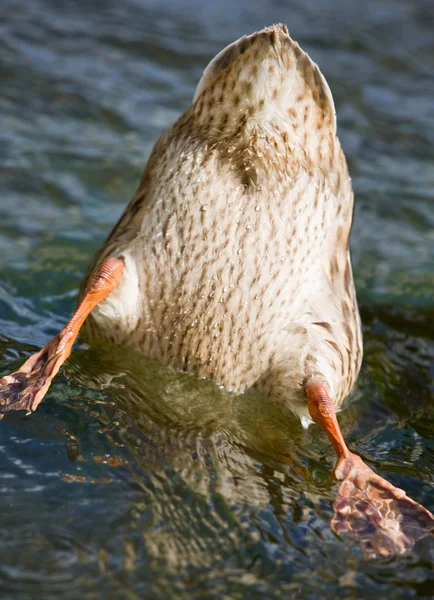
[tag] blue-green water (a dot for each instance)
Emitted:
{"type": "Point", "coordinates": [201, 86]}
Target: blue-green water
{"type": "Point", "coordinates": [134, 482]}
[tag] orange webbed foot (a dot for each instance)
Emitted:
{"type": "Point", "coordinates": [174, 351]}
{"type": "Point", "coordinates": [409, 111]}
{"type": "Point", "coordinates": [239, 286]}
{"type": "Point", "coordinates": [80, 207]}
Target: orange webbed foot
{"type": "Point", "coordinates": [383, 519]}
{"type": "Point", "coordinates": [24, 389]}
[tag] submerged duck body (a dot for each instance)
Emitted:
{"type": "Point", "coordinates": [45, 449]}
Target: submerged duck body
{"type": "Point", "coordinates": [235, 245]}
{"type": "Point", "coordinates": [232, 262]}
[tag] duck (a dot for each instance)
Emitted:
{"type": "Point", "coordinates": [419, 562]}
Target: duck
{"type": "Point", "coordinates": [232, 263]}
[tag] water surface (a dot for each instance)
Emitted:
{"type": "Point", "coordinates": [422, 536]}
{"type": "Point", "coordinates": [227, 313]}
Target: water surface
{"type": "Point", "coordinates": [131, 481]}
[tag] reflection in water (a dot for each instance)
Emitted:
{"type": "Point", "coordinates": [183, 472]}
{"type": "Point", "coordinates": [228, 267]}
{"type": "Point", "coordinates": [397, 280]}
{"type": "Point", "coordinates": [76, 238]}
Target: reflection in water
{"type": "Point", "coordinates": [204, 458]}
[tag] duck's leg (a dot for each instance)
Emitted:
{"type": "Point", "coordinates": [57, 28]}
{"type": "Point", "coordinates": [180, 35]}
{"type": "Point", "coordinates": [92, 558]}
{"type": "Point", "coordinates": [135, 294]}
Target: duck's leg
{"type": "Point", "coordinates": [24, 389]}
{"type": "Point", "coordinates": [382, 517]}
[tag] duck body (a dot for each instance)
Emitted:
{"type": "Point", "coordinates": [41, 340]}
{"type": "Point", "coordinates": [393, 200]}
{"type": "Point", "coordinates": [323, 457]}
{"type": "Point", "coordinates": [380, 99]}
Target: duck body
{"type": "Point", "coordinates": [237, 265]}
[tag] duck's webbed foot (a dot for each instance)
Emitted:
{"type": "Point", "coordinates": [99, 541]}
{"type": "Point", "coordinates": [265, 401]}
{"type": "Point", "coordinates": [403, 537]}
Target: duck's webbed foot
{"type": "Point", "coordinates": [24, 389]}
{"type": "Point", "coordinates": [382, 518]}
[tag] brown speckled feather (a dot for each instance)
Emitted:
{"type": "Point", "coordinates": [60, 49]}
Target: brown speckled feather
{"type": "Point", "coordinates": [236, 255]}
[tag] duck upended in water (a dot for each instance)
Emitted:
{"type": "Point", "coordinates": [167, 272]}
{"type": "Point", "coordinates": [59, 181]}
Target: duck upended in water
{"type": "Point", "coordinates": [232, 262]}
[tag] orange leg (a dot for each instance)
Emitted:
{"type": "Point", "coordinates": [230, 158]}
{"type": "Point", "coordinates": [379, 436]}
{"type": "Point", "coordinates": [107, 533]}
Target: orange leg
{"type": "Point", "coordinates": [322, 411]}
{"type": "Point", "coordinates": [24, 389]}
{"type": "Point", "coordinates": [382, 517]}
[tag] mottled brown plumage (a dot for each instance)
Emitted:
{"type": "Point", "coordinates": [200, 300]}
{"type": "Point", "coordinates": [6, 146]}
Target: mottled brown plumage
{"type": "Point", "coordinates": [236, 243]}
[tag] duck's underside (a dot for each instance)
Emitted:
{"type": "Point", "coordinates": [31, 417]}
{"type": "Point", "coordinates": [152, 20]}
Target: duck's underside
{"type": "Point", "coordinates": [231, 262]}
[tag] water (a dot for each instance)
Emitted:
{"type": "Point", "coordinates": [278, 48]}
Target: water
{"type": "Point", "coordinates": [134, 482]}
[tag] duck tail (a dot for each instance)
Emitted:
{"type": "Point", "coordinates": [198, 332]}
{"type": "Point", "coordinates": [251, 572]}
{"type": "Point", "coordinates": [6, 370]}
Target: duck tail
{"type": "Point", "coordinates": [266, 76]}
